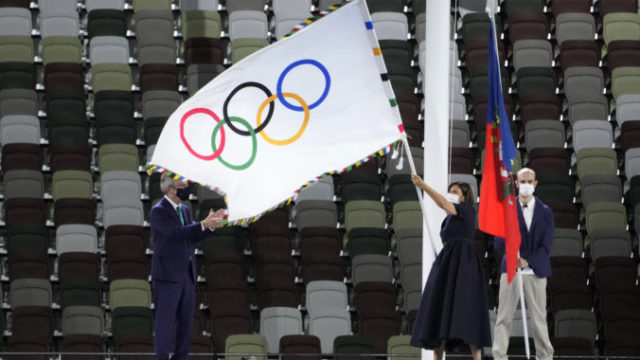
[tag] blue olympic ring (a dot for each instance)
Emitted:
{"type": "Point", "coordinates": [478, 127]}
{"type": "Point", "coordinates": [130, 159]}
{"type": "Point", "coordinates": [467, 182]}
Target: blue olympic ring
{"type": "Point", "coordinates": [315, 63]}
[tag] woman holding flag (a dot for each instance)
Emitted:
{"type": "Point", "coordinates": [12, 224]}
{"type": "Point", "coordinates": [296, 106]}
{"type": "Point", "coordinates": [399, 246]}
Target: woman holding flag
{"type": "Point", "coordinates": [453, 310]}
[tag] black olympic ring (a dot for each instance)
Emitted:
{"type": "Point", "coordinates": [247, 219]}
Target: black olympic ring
{"type": "Point", "coordinates": [225, 114]}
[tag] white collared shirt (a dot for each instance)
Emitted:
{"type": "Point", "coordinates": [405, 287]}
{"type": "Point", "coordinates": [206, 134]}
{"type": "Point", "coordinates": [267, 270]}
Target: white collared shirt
{"type": "Point", "coordinates": [527, 211]}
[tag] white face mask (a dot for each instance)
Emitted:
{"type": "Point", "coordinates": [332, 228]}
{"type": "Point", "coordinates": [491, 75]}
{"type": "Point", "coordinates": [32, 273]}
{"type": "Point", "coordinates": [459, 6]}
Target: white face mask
{"type": "Point", "coordinates": [526, 190]}
{"type": "Point", "coordinates": [453, 198]}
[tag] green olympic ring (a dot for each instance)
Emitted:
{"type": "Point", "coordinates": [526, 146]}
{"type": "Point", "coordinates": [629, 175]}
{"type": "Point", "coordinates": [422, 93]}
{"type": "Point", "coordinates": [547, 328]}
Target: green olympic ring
{"type": "Point", "coordinates": [254, 141]}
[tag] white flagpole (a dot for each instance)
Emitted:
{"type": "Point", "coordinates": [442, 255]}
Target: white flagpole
{"type": "Point", "coordinates": [407, 148]}
{"type": "Point", "coordinates": [490, 10]}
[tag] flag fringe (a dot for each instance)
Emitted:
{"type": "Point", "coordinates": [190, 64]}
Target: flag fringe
{"type": "Point", "coordinates": [151, 169]}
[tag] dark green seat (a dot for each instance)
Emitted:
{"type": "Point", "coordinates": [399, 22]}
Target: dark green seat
{"type": "Point", "coordinates": [224, 240]}
{"type": "Point", "coordinates": [17, 75]}
{"type": "Point", "coordinates": [114, 117]}
{"type": "Point", "coordinates": [402, 189]}
{"type": "Point", "coordinates": [524, 6]}
{"type": "Point", "coordinates": [66, 117]}
{"type": "Point", "coordinates": [634, 190]}
{"type": "Point", "coordinates": [26, 239]}
{"type": "Point", "coordinates": [536, 81]}
{"type": "Point", "coordinates": [555, 188]}
{"type": "Point", "coordinates": [479, 84]}
{"type": "Point", "coordinates": [131, 322]}
{"type": "Point", "coordinates": [385, 5]}
{"type": "Point", "coordinates": [368, 241]}
{"type": "Point", "coordinates": [475, 27]}
{"type": "Point", "coordinates": [360, 185]}
{"type": "Point", "coordinates": [152, 129]}
{"type": "Point", "coordinates": [107, 22]}
{"type": "Point", "coordinates": [396, 53]}
{"type": "Point", "coordinates": [403, 81]}
{"type": "Point", "coordinates": [352, 347]}
{"type": "Point", "coordinates": [80, 292]}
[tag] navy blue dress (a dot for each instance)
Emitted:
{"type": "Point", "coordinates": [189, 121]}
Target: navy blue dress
{"type": "Point", "coordinates": [454, 303]}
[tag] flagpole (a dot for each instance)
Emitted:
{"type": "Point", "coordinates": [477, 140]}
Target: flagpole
{"type": "Point", "coordinates": [407, 148]}
{"type": "Point", "coordinates": [490, 9]}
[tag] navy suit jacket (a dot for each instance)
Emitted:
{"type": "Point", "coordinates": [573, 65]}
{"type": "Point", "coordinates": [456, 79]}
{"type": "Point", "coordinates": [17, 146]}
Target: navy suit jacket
{"type": "Point", "coordinates": [173, 244]}
{"type": "Point", "coordinates": [535, 243]}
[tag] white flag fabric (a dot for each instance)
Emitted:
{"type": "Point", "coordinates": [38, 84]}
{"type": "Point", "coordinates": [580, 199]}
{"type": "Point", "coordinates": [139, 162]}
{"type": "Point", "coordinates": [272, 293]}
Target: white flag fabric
{"type": "Point", "coordinates": [309, 105]}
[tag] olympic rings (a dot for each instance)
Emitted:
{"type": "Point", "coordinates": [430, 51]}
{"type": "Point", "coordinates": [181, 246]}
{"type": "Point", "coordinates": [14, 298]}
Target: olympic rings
{"type": "Point", "coordinates": [225, 107]}
{"type": "Point", "coordinates": [297, 135]}
{"type": "Point", "coordinates": [254, 142]}
{"type": "Point", "coordinates": [325, 92]}
{"type": "Point", "coordinates": [188, 114]}
{"type": "Point", "coordinates": [260, 123]}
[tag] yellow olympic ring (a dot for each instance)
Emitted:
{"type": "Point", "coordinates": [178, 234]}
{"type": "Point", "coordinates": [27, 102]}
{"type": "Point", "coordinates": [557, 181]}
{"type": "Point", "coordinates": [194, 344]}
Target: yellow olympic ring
{"type": "Point", "coordinates": [295, 137]}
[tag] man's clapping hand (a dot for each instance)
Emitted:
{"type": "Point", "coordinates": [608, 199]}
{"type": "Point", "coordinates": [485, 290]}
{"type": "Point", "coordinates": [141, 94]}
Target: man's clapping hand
{"type": "Point", "coordinates": [214, 219]}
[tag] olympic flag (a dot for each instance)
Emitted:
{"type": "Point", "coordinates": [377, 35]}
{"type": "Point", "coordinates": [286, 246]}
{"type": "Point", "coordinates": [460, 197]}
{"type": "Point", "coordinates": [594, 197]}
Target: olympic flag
{"type": "Point", "coordinates": [311, 104]}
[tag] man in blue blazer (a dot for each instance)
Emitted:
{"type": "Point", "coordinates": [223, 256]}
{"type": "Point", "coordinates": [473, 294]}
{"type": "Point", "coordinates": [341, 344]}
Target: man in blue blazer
{"type": "Point", "coordinates": [173, 271]}
{"type": "Point", "coordinates": [537, 231]}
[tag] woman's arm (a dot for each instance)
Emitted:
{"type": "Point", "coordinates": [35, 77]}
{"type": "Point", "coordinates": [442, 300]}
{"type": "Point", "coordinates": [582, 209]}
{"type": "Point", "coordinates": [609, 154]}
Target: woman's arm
{"type": "Point", "coordinates": [440, 200]}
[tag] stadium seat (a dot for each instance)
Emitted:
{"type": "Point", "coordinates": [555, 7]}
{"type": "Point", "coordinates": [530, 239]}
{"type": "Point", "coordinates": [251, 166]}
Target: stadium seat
{"type": "Point", "coordinates": [17, 75]}
{"type": "Point", "coordinates": [125, 293]}
{"type": "Point", "coordinates": [71, 184]}
{"type": "Point", "coordinates": [364, 240]}
{"type": "Point", "coordinates": [111, 77]}
{"type": "Point", "coordinates": [125, 246]}
{"type": "Point", "coordinates": [579, 53]}
{"type": "Point", "coordinates": [315, 213]}
{"type": "Point", "coordinates": [118, 157]}
{"type": "Point", "coordinates": [527, 53]}
{"type": "Point", "coordinates": [248, 24]}
{"type": "Point", "coordinates": [596, 161]}
{"type": "Point", "coordinates": [276, 322]}
{"type": "Point", "coordinates": [327, 325]}
{"type": "Point", "coordinates": [61, 49]}
{"type": "Point", "coordinates": [82, 320]}
{"type": "Point", "coordinates": [200, 50]}
{"type": "Point", "coordinates": [600, 188]}
{"type": "Point", "coordinates": [246, 344]}
{"type": "Point", "coordinates": [364, 213]}
{"type": "Point", "coordinates": [349, 347]}
{"type": "Point", "coordinates": [292, 345]}
{"type": "Point", "coordinates": [544, 134]}
{"type": "Point", "coordinates": [620, 26]}
{"type": "Point", "coordinates": [320, 249]}
{"type": "Point", "coordinates": [371, 267]}
{"type": "Point", "coordinates": [201, 24]}
{"type": "Point", "coordinates": [30, 292]}
{"type": "Point", "coordinates": [20, 156]}
{"type": "Point", "coordinates": [19, 129]}
{"type": "Point", "coordinates": [107, 22]}
{"type": "Point", "coordinates": [609, 243]}
{"type": "Point", "coordinates": [567, 242]}
{"type": "Point", "coordinates": [18, 101]}
{"type": "Point", "coordinates": [575, 26]}
{"type": "Point", "coordinates": [255, 5]}
{"type": "Point", "coordinates": [109, 49]}
{"type": "Point", "coordinates": [592, 134]}
{"type": "Point", "coordinates": [23, 184]}
{"type": "Point", "coordinates": [399, 345]}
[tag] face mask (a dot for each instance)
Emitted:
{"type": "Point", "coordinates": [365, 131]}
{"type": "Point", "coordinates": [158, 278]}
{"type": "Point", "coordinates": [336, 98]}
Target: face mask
{"type": "Point", "coordinates": [526, 190]}
{"type": "Point", "coordinates": [453, 198]}
{"type": "Point", "coordinates": [183, 194]}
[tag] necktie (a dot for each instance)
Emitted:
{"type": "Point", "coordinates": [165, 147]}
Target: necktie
{"type": "Point", "coordinates": [180, 214]}
{"type": "Point", "coordinates": [182, 221]}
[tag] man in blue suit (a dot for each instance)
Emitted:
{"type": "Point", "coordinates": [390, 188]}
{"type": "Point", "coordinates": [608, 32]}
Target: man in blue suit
{"type": "Point", "coordinates": [536, 230]}
{"type": "Point", "coordinates": [173, 273]}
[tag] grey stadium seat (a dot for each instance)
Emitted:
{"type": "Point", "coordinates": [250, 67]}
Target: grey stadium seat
{"type": "Point", "coordinates": [276, 322]}
{"type": "Point", "coordinates": [627, 108]}
{"type": "Point", "coordinates": [30, 292]}
{"type": "Point", "coordinates": [322, 189]}
{"type": "Point", "coordinates": [109, 49]}
{"type": "Point", "coordinates": [248, 24]}
{"type": "Point", "coordinates": [15, 21]}
{"type": "Point", "coordinates": [314, 213]}
{"type": "Point", "coordinates": [198, 75]}
{"type": "Point", "coordinates": [326, 294]}
{"type": "Point", "coordinates": [87, 320]}
{"type": "Point", "coordinates": [23, 184]}
{"type": "Point", "coordinates": [598, 188]}
{"type": "Point", "coordinates": [592, 134]}
{"type": "Point", "coordinates": [255, 5]}
{"type": "Point", "coordinates": [371, 267]}
{"type": "Point", "coordinates": [19, 129]}
{"type": "Point", "coordinates": [544, 134]}
{"type": "Point", "coordinates": [154, 35]}
{"type": "Point", "coordinates": [567, 242]}
{"type": "Point", "coordinates": [18, 101]}
{"type": "Point", "coordinates": [576, 323]}
{"type": "Point", "coordinates": [160, 103]}
{"type": "Point", "coordinates": [610, 242]}
{"type": "Point", "coordinates": [327, 324]}
{"type": "Point", "coordinates": [390, 25]}
{"type": "Point", "coordinates": [104, 4]}
{"type": "Point", "coordinates": [207, 5]}
{"type": "Point", "coordinates": [575, 26]}
{"type": "Point", "coordinates": [596, 108]}
{"type": "Point", "coordinates": [632, 162]}
{"type": "Point", "coordinates": [583, 83]}
{"type": "Point", "coordinates": [76, 238]}
{"type": "Point", "coordinates": [528, 53]}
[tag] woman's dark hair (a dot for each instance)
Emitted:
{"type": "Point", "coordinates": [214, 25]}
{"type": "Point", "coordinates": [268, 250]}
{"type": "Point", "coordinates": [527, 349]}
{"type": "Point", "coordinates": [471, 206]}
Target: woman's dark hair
{"type": "Point", "coordinates": [467, 192]}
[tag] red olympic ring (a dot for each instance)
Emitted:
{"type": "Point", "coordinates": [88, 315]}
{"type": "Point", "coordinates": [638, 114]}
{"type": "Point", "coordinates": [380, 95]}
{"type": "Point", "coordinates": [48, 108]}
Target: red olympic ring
{"type": "Point", "coordinates": [184, 140]}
